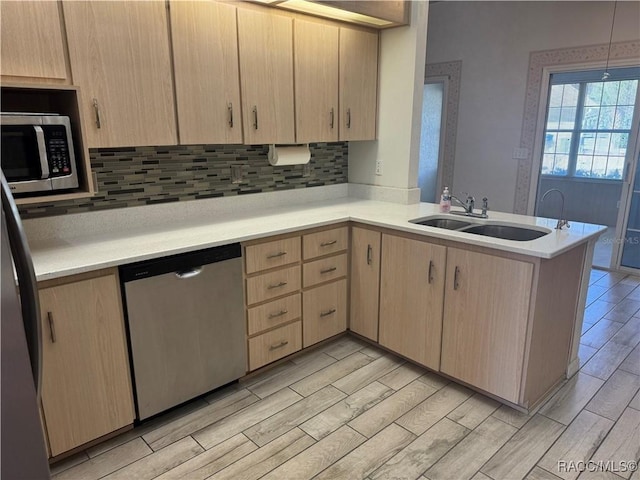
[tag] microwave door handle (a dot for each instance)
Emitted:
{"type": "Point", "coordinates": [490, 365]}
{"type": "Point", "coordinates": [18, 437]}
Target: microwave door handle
{"type": "Point", "coordinates": [42, 152]}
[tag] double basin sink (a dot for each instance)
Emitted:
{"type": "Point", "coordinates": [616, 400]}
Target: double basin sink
{"type": "Point", "coordinates": [488, 229]}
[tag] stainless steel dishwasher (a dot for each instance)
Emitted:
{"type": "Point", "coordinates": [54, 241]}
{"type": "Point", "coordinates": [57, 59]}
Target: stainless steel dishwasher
{"type": "Point", "coordinates": [186, 325]}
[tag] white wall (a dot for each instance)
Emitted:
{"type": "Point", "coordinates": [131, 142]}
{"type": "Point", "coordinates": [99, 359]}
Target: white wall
{"type": "Point", "coordinates": [494, 40]}
{"type": "Point", "coordinates": [401, 75]}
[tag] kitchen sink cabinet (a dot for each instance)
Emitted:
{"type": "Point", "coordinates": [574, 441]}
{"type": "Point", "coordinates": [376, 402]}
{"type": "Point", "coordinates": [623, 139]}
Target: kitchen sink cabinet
{"type": "Point", "coordinates": [365, 282]}
{"type": "Point", "coordinates": [265, 44]}
{"type": "Point", "coordinates": [316, 81]}
{"type": "Point", "coordinates": [86, 384]}
{"type": "Point", "coordinates": [411, 292]}
{"type": "Point", "coordinates": [120, 58]}
{"type": "Point", "coordinates": [205, 55]}
{"type": "Point", "coordinates": [486, 312]}
{"type": "Point", "coordinates": [358, 84]}
{"type": "Point", "coordinates": [32, 42]}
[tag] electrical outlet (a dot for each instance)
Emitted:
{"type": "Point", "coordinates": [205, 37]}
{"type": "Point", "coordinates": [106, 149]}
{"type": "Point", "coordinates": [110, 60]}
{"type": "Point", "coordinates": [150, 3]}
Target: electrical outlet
{"type": "Point", "coordinates": [306, 170]}
{"type": "Point", "coordinates": [236, 173]}
{"type": "Point", "coordinates": [379, 167]}
{"type": "Point", "coordinates": [520, 153]}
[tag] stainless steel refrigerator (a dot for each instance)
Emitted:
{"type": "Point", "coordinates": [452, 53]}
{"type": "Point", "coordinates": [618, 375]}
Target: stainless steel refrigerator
{"type": "Point", "coordinates": [22, 448]}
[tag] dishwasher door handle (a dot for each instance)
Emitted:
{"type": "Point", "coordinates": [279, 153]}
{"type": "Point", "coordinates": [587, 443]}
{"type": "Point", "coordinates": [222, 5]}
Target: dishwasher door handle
{"type": "Point", "coordinates": [194, 272]}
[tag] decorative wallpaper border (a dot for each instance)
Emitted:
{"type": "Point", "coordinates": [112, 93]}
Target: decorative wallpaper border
{"type": "Point", "coordinates": [452, 70]}
{"type": "Point", "coordinates": [128, 177]}
{"type": "Point", "coordinates": [538, 61]}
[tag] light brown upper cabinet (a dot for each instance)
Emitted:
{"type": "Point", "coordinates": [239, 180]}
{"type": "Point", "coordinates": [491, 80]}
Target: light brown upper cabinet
{"type": "Point", "coordinates": [411, 291]}
{"type": "Point", "coordinates": [205, 56]}
{"type": "Point", "coordinates": [316, 79]}
{"type": "Point", "coordinates": [266, 76]}
{"type": "Point", "coordinates": [485, 321]}
{"type": "Point", "coordinates": [119, 55]}
{"type": "Point", "coordinates": [32, 45]}
{"type": "Point", "coordinates": [358, 84]}
{"type": "Point", "coordinates": [86, 386]}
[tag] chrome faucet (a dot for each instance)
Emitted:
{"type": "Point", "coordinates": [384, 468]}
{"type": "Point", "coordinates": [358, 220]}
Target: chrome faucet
{"type": "Point", "coordinates": [469, 205]}
{"type": "Point", "coordinates": [561, 221]}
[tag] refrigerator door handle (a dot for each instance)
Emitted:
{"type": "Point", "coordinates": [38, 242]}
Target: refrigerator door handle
{"type": "Point", "coordinates": [27, 281]}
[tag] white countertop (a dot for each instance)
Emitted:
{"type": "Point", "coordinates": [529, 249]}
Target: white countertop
{"type": "Point", "coordinates": [90, 241]}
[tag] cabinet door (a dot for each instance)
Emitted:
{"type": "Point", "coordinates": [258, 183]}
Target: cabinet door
{"type": "Point", "coordinates": [324, 312]}
{"type": "Point", "coordinates": [205, 57]}
{"type": "Point", "coordinates": [86, 387]}
{"type": "Point", "coordinates": [32, 40]}
{"type": "Point", "coordinates": [365, 282]}
{"type": "Point", "coordinates": [485, 321]}
{"type": "Point", "coordinates": [119, 54]}
{"type": "Point", "coordinates": [316, 74]}
{"type": "Point", "coordinates": [265, 43]}
{"type": "Point", "coordinates": [358, 84]}
{"type": "Point", "coordinates": [411, 296]}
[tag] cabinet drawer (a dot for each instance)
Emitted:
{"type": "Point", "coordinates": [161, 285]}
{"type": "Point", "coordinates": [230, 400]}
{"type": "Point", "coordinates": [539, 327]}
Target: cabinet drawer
{"type": "Point", "coordinates": [273, 284]}
{"type": "Point", "coordinates": [325, 242]}
{"type": "Point", "coordinates": [324, 270]}
{"type": "Point", "coordinates": [275, 344]}
{"type": "Point", "coordinates": [272, 254]}
{"type": "Point", "coordinates": [273, 313]}
{"type": "Point", "coordinates": [324, 311]}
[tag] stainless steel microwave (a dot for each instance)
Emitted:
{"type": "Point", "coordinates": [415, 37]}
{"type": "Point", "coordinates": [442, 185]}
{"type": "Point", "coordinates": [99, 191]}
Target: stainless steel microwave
{"type": "Point", "coordinates": [37, 152]}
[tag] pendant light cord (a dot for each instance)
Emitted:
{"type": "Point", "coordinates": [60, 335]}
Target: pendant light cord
{"type": "Point", "coordinates": [606, 74]}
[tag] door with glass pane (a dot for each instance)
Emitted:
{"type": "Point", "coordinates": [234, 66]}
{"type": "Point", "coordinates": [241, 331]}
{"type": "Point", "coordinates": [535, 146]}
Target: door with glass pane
{"type": "Point", "coordinates": [587, 134]}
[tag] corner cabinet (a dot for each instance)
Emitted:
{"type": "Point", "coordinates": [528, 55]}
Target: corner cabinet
{"type": "Point", "coordinates": [120, 58]}
{"type": "Point", "coordinates": [358, 84]}
{"type": "Point", "coordinates": [32, 42]}
{"type": "Point", "coordinates": [265, 44]}
{"type": "Point", "coordinates": [205, 56]}
{"type": "Point", "coordinates": [411, 292]}
{"type": "Point", "coordinates": [485, 321]}
{"type": "Point", "coordinates": [86, 384]}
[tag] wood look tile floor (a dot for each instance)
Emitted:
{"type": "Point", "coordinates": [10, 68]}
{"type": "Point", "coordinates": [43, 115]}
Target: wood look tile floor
{"type": "Point", "coordinates": [351, 411]}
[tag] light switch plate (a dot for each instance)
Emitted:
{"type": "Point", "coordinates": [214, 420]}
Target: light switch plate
{"type": "Point", "coordinates": [379, 166]}
{"type": "Point", "coordinates": [520, 153]}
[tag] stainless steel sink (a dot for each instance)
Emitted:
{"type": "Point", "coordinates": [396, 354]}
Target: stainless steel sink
{"type": "Point", "coordinates": [506, 232]}
{"type": "Point", "coordinates": [448, 223]}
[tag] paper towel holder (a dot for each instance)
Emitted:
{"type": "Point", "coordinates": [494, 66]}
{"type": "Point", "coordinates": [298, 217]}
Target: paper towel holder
{"type": "Point", "coordinates": [272, 154]}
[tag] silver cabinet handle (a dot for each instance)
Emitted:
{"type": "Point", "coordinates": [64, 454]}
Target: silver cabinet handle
{"type": "Point", "coordinates": [276, 285]}
{"type": "Point", "coordinates": [331, 115]}
{"type": "Point", "coordinates": [348, 118]}
{"type": "Point", "coordinates": [327, 244]}
{"type": "Point", "coordinates": [279, 345]}
{"type": "Point", "coordinates": [279, 314]}
{"type": "Point", "coordinates": [230, 110]}
{"type": "Point", "coordinates": [456, 282]}
{"type": "Point", "coordinates": [184, 274]}
{"type": "Point", "coordinates": [255, 117]}
{"type": "Point", "coordinates": [52, 329]}
{"type": "Point", "coordinates": [276, 255]}
{"type": "Point", "coordinates": [329, 270]}
{"type": "Point", "coordinates": [369, 254]}
{"type": "Point", "coordinates": [96, 109]}
{"type": "Point", "coordinates": [328, 312]}
{"type": "Point", "coordinates": [430, 271]}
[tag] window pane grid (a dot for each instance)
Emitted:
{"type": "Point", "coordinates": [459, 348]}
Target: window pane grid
{"type": "Point", "coordinates": [587, 128]}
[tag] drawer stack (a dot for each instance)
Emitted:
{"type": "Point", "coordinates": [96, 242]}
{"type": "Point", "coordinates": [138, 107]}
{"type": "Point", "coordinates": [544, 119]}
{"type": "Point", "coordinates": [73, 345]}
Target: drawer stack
{"type": "Point", "coordinates": [273, 278]}
{"type": "Point", "coordinates": [324, 282]}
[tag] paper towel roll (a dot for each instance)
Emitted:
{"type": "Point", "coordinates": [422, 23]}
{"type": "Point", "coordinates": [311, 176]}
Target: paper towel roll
{"type": "Point", "coordinates": [289, 154]}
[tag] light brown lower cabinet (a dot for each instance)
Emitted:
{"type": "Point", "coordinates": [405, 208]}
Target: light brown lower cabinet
{"type": "Point", "coordinates": [324, 312]}
{"type": "Point", "coordinates": [411, 292]}
{"type": "Point", "coordinates": [86, 384]}
{"type": "Point", "coordinates": [365, 282]}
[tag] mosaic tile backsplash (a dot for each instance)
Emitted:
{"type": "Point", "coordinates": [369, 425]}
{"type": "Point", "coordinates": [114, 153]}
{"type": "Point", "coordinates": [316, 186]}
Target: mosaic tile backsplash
{"type": "Point", "coordinates": [136, 176]}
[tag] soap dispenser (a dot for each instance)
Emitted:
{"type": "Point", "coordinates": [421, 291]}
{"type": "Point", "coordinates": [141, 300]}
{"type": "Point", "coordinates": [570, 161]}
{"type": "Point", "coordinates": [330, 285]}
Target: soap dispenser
{"type": "Point", "coordinates": [445, 201]}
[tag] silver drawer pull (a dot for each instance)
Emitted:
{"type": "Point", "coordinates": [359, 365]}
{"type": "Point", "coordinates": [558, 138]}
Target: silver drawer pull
{"type": "Point", "coordinates": [328, 312]}
{"type": "Point", "coordinates": [279, 314]}
{"type": "Point", "coordinates": [277, 285]}
{"type": "Point", "coordinates": [326, 244]}
{"type": "Point", "coordinates": [329, 270]}
{"type": "Point", "coordinates": [276, 255]}
{"type": "Point", "coordinates": [279, 345]}
{"type": "Point", "coordinates": [52, 329]}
